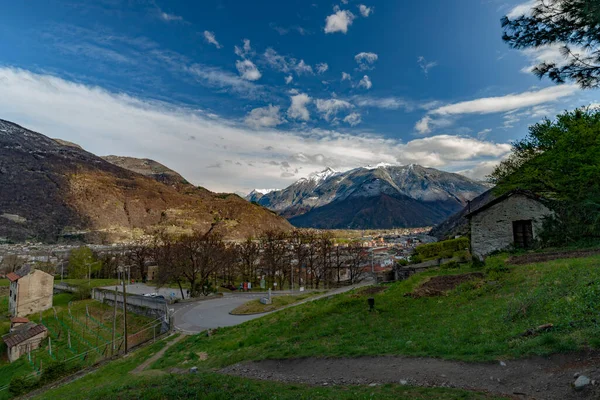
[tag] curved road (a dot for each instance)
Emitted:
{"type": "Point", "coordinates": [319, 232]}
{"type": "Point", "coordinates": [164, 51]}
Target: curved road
{"type": "Point", "coordinates": [209, 314]}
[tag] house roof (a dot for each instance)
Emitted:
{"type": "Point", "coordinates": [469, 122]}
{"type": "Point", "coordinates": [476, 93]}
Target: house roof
{"type": "Point", "coordinates": [23, 333]}
{"type": "Point", "coordinates": [505, 196]}
{"type": "Point", "coordinates": [11, 276]}
{"type": "Point", "coordinates": [19, 320]}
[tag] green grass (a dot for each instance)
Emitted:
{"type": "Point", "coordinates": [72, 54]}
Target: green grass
{"type": "Point", "coordinates": [114, 381]}
{"type": "Point", "coordinates": [84, 282]}
{"type": "Point", "coordinates": [4, 282]}
{"type": "Point", "coordinates": [214, 386]}
{"type": "Point", "coordinates": [255, 306]}
{"type": "Point", "coordinates": [475, 322]}
{"type": "Point", "coordinates": [86, 333]}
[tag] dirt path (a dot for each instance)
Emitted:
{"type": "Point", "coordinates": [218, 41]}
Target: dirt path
{"type": "Point", "coordinates": [158, 355]}
{"type": "Point", "coordinates": [534, 378]}
{"type": "Point", "coordinates": [543, 257]}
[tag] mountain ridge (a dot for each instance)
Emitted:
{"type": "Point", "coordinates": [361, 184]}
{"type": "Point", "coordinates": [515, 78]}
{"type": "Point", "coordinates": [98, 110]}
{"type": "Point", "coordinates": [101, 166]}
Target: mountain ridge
{"type": "Point", "coordinates": [52, 191]}
{"type": "Point", "coordinates": [431, 195]}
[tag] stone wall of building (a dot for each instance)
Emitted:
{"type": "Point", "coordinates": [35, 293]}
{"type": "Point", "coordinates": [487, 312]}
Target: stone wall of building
{"type": "Point", "coordinates": [34, 293]}
{"type": "Point", "coordinates": [492, 229]}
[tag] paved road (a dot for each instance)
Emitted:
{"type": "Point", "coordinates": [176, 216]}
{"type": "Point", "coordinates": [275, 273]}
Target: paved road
{"type": "Point", "coordinates": [210, 314]}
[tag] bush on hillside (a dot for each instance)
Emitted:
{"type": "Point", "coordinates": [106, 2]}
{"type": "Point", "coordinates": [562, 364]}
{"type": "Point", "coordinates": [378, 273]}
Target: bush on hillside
{"type": "Point", "coordinates": [443, 249]}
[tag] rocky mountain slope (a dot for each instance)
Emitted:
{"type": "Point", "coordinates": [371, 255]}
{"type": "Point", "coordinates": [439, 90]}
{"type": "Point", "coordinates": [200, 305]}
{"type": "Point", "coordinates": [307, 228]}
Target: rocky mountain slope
{"type": "Point", "coordinates": [458, 224]}
{"type": "Point", "coordinates": [382, 196]}
{"type": "Point", "coordinates": [51, 190]}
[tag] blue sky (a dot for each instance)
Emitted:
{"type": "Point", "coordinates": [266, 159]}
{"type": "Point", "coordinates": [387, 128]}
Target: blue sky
{"type": "Point", "coordinates": [243, 94]}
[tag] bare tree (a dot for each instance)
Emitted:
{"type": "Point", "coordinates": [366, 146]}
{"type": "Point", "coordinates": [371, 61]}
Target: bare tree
{"type": "Point", "coordinates": [248, 253]}
{"type": "Point", "coordinates": [139, 254]}
{"type": "Point", "coordinates": [275, 256]}
{"type": "Point", "coordinates": [357, 256]}
{"type": "Point", "coordinates": [169, 260]}
{"type": "Point", "coordinates": [11, 263]}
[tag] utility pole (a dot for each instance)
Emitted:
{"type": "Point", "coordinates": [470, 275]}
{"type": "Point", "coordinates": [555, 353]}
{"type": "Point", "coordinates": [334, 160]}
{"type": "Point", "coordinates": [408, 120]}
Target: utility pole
{"type": "Point", "coordinates": [114, 332]}
{"type": "Point", "coordinates": [124, 313]}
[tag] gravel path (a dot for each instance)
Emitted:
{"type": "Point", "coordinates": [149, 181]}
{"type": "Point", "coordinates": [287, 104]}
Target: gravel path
{"type": "Point", "coordinates": [545, 378]}
{"type": "Point", "coordinates": [155, 357]}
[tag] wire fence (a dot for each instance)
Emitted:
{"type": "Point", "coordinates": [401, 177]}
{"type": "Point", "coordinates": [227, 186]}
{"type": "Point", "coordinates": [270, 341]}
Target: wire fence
{"type": "Point", "coordinates": [77, 342]}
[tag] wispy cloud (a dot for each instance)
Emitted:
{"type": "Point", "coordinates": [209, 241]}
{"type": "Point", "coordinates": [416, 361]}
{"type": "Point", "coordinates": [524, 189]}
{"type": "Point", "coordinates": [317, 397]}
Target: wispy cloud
{"type": "Point", "coordinates": [211, 38]}
{"type": "Point", "coordinates": [106, 123]}
{"type": "Point", "coordinates": [426, 65]}
{"type": "Point", "coordinates": [365, 60]}
{"type": "Point", "coordinates": [170, 17]}
{"type": "Point", "coordinates": [491, 105]}
{"type": "Point", "coordinates": [364, 10]}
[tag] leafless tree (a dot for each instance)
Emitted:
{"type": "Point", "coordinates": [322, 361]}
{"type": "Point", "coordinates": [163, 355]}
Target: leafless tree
{"type": "Point", "coordinates": [357, 256]}
{"type": "Point", "coordinates": [11, 263]}
{"type": "Point", "coordinates": [248, 253]}
{"type": "Point", "coordinates": [275, 256]}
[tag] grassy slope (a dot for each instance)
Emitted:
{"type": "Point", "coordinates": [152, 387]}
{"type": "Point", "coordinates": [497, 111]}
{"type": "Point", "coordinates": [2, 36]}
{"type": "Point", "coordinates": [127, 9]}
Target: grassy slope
{"type": "Point", "coordinates": [114, 381]}
{"type": "Point", "coordinates": [474, 322]}
{"type": "Point", "coordinates": [255, 306]}
{"type": "Point", "coordinates": [100, 312]}
{"type": "Point", "coordinates": [471, 323]}
{"type": "Point", "coordinates": [4, 282]}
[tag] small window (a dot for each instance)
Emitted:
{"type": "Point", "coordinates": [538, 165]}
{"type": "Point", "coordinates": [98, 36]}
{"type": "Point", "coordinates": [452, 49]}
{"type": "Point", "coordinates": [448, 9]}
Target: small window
{"type": "Point", "coordinates": [523, 233]}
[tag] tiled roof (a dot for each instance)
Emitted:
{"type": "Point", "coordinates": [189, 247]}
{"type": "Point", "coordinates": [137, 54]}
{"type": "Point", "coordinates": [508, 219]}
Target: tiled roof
{"type": "Point", "coordinates": [19, 320]}
{"type": "Point", "coordinates": [11, 276]}
{"type": "Point", "coordinates": [23, 333]}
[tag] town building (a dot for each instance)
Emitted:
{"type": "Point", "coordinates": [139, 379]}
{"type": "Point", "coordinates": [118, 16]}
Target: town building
{"type": "Point", "coordinates": [23, 338]}
{"type": "Point", "coordinates": [30, 291]}
{"type": "Point", "coordinates": [513, 220]}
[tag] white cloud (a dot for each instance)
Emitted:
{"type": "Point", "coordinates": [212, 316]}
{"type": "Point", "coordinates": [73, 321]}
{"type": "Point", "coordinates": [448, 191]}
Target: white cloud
{"type": "Point", "coordinates": [365, 60]}
{"type": "Point", "coordinates": [329, 108]}
{"type": "Point", "coordinates": [428, 124]}
{"type": "Point", "coordinates": [170, 17]}
{"type": "Point", "coordinates": [243, 51]}
{"type": "Point", "coordinates": [288, 79]}
{"type": "Point", "coordinates": [556, 53]}
{"type": "Point", "coordinates": [365, 82]}
{"type": "Point", "coordinates": [248, 70]}
{"type": "Point", "coordinates": [426, 66]}
{"type": "Point", "coordinates": [353, 119]}
{"type": "Point", "coordinates": [339, 21]}
{"type": "Point", "coordinates": [346, 76]}
{"type": "Point", "coordinates": [303, 68]}
{"type": "Point", "coordinates": [210, 38]}
{"type": "Point", "coordinates": [364, 10]}
{"type": "Point", "coordinates": [490, 105]}
{"type": "Point", "coordinates": [422, 126]}
{"type": "Point", "coordinates": [107, 123]}
{"type": "Point", "coordinates": [298, 108]}
{"type": "Point", "coordinates": [508, 102]}
{"type": "Point", "coordinates": [322, 67]}
{"type": "Point", "coordinates": [286, 64]}
{"type": "Point", "coordinates": [522, 9]}
{"type": "Point", "coordinates": [483, 133]}
{"type": "Point", "coordinates": [216, 77]}
{"type": "Point", "coordinates": [386, 103]}
{"type": "Point", "coordinates": [264, 117]}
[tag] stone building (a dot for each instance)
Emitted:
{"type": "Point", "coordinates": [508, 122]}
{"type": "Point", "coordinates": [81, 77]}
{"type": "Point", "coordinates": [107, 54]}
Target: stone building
{"type": "Point", "coordinates": [30, 291]}
{"type": "Point", "coordinates": [23, 338]}
{"type": "Point", "coordinates": [513, 220]}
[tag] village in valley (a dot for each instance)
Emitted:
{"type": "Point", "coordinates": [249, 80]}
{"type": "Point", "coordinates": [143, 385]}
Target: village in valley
{"type": "Point", "coordinates": [458, 261]}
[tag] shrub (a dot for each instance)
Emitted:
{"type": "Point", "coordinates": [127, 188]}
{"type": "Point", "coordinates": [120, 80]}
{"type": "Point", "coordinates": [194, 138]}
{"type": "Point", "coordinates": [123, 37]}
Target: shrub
{"type": "Point", "coordinates": [494, 264]}
{"type": "Point", "coordinates": [443, 249]}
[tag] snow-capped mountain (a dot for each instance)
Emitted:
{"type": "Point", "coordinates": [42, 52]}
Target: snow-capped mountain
{"type": "Point", "coordinates": [380, 196]}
